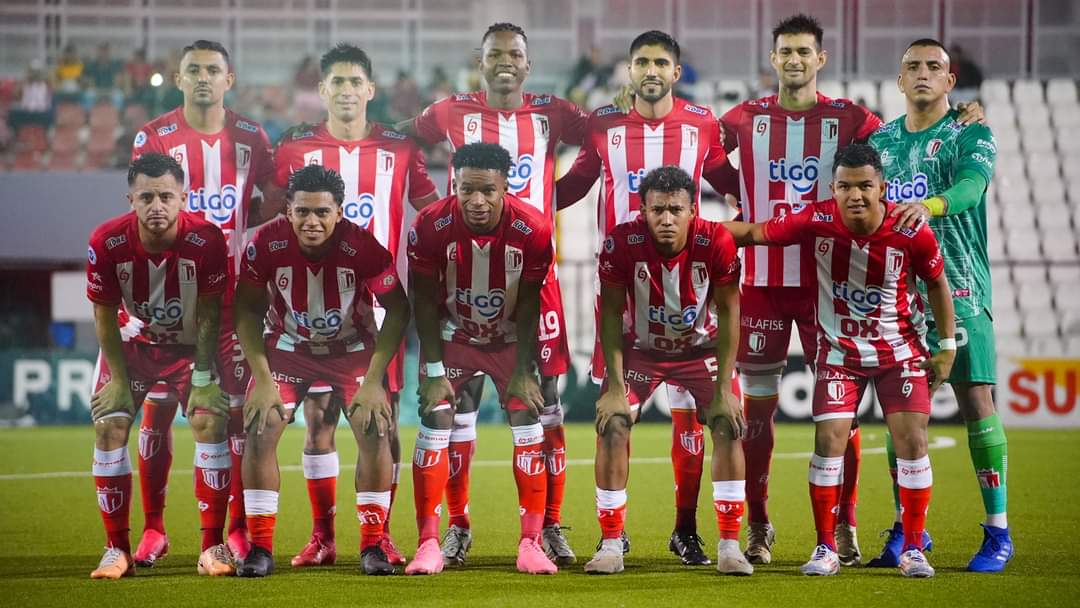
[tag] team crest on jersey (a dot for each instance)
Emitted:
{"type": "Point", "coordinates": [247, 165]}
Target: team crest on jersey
{"type": "Point", "coordinates": [514, 259]}
{"type": "Point", "coordinates": [115, 241]}
{"type": "Point", "coordinates": [110, 499]}
{"type": "Point", "coordinates": [836, 391]}
{"type": "Point", "coordinates": [169, 128]}
{"type": "Point", "coordinates": [699, 275]}
{"type": "Point", "coordinates": [530, 462]}
{"type": "Point", "coordinates": [541, 100]}
{"type": "Point", "coordinates": [346, 280]}
{"type": "Point", "coordinates": [756, 341]}
{"type": "Point", "coordinates": [886, 157]}
{"type": "Point", "coordinates": [697, 110]}
{"type": "Point", "coordinates": [195, 239]}
{"type": "Point", "coordinates": [384, 164]}
{"type": "Point", "coordinates": [186, 270]}
{"type": "Point", "coordinates": [243, 156]}
{"type": "Point", "coordinates": [394, 135]}
{"type": "Point", "coordinates": [522, 227]}
{"type": "Point", "coordinates": [91, 255]}
{"type": "Point", "coordinates": [313, 158]}
{"type": "Point", "coordinates": [932, 148]}
{"type": "Point", "coordinates": [604, 111]}
{"type": "Point", "coordinates": [894, 263]}
{"type": "Point", "coordinates": [544, 128]}
{"type": "Point", "coordinates": [693, 442]}
{"type": "Point", "coordinates": [140, 139]}
{"type": "Point", "coordinates": [244, 125]}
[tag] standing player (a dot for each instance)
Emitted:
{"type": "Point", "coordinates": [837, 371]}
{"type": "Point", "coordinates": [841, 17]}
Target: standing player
{"type": "Point", "coordinates": [529, 127]}
{"type": "Point", "coordinates": [312, 277]}
{"type": "Point", "coordinates": [931, 159]}
{"type": "Point", "coordinates": [870, 326]}
{"type": "Point", "coordinates": [661, 129]}
{"type": "Point", "coordinates": [224, 156]}
{"type": "Point", "coordinates": [478, 259]}
{"type": "Point", "coordinates": [381, 168]}
{"type": "Point", "coordinates": [675, 276]}
{"type": "Point", "coordinates": [163, 271]}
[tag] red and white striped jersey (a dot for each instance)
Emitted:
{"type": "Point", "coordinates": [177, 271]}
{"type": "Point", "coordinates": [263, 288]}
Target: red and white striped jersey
{"type": "Point", "coordinates": [319, 307]}
{"type": "Point", "coordinates": [625, 147]}
{"type": "Point", "coordinates": [157, 292]}
{"type": "Point", "coordinates": [382, 172]}
{"type": "Point", "coordinates": [786, 161]}
{"type": "Point", "coordinates": [669, 300]}
{"type": "Point", "coordinates": [220, 170]}
{"type": "Point", "coordinates": [480, 273]}
{"type": "Point", "coordinates": [868, 309]}
{"type": "Point", "coordinates": [529, 133]}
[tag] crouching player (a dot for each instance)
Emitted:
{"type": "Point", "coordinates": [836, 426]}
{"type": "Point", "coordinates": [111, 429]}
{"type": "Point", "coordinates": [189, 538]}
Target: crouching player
{"type": "Point", "coordinates": [313, 277]}
{"type": "Point", "coordinates": [478, 259]}
{"type": "Point", "coordinates": [871, 325]}
{"type": "Point", "coordinates": [675, 277]}
{"type": "Point", "coordinates": [156, 278]}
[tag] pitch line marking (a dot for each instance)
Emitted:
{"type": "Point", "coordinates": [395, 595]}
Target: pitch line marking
{"type": "Point", "coordinates": [937, 443]}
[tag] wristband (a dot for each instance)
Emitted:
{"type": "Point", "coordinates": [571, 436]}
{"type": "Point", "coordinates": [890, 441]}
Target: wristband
{"type": "Point", "coordinates": [936, 205]}
{"type": "Point", "coordinates": [435, 369]}
{"type": "Point", "coordinates": [200, 378]}
{"type": "Point", "coordinates": [947, 344]}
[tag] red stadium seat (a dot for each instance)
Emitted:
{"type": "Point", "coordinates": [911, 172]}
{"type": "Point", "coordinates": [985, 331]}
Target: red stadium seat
{"type": "Point", "coordinates": [65, 140]}
{"type": "Point", "coordinates": [70, 115]}
{"type": "Point", "coordinates": [27, 160]}
{"type": "Point", "coordinates": [65, 160]}
{"type": "Point", "coordinates": [31, 137]}
{"type": "Point", "coordinates": [135, 116]}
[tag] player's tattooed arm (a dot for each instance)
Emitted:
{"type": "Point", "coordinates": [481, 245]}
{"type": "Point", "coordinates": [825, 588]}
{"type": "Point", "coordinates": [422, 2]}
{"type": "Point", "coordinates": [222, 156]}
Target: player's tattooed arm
{"type": "Point", "coordinates": [746, 234]}
{"type": "Point", "coordinates": [370, 407]}
{"type": "Point", "coordinates": [208, 396]}
{"type": "Point", "coordinates": [435, 390]}
{"type": "Point", "coordinates": [115, 396]}
{"type": "Point", "coordinates": [940, 297]}
{"type": "Point", "coordinates": [524, 384]}
{"type": "Point", "coordinates": [613, 402]}
{"type": "Point", "coordinates": [725, 408]}
{"type": "Point", "coordinates": [249, 309]}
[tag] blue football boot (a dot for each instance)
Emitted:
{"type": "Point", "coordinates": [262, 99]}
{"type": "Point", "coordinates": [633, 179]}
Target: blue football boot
{"type": "Point", "coordinates": [995, 552]}
{"type": "Point", "coordinates": [894, 546]}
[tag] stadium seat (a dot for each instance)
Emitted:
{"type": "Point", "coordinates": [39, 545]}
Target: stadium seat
{"type": "Point", "coordinates": [1000, 116]}
{"type": "Point", "coordinates": [1052, 214]}
{"type": "Point", "coordinates": [1041, 326]}
{"type": "Point", "coordinates": [1048, 190]}
{"type": "Point", "coordinates": [63, 160]}
{"type": "Point", "coordinates": [1037, 117]}
{"type": "Point", "coordinates": [1022, 243]}
{"type": "Point", "coordinates": [135, 116]}
{"type": "Point", "coordinates": [831, 88]}
{"type": "Point", "coordinates": [1027, 92]}
{"type": "Point", "coordinates": [1072, 344]}
{"type": "Point", "coordinates": [994, 90]}
{"type": "Point", "coordinates": [1070, 165]}
{"type": "Point", "coordinates": [1062, 274]}
{"type": "Point", "coordinates": [865, 90]}
{"type": "Point", "coordinates": [1060, 90]}
{"type": "Point", "coordinates": [27, 160]}
{"type": "Point", "coordinates": [1065, 116]}
{"type": "Point", "coordinates": [104, 118]}
{"type": "Point", "coordinates": [1067, 296]}
{"type": "Point", "coordinates": [1070, 326]}
{"type": "Point", "coordinates": [70, 116]}
{"type": "Point", "coordinates": [1042, 166]}
{"type": "Point", "coordinates": [31, 137]}
{"type": "Point", "coordinates": [1059, 243]}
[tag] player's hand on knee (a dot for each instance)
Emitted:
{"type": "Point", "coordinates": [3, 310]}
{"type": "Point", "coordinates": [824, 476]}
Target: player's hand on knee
{"type": "Point", "coordinates": [370, 407]}
{"type": "Point", "coordinates": [434, 392]}
{"type": "Point", "coordinates": [939, 366]}
{"type": "Point", "coordinates": [114, 397]}
{"type": "Point", "coordinates": [210, 398]}
{"type": "Point", "coordinates": [264, 399]}
{"type": "Point", "coordinates": [726, 410]}
{"type": "Point", "coordinates": [525, 386]}
{"type": "Point", "coordinates": [611, 404]}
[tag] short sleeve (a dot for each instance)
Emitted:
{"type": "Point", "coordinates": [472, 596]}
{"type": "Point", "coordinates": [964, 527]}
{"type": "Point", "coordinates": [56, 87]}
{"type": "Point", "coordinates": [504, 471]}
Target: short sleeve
{"type": "Point", "coordinates": [102, 287]}
{"type": "Point", "coordinates": [926, 254]}
{"type": "Point", "coordinates": [146, 140]}
{"type": "Point", "coordinates": [788, 229]}
{"type": "Point", "coordinates": [977, 151]}
{"type": "Point", "coordinates": [432, 123]}
{"type": "Point", "coordinates": [726, 267]}
{"type": "Point", "coordinates": [540, 254]}
{"type": "Point", "coordinates": [283, 167]}
{"type": "Point", "coordinates": [421, 249]}
{"type": "Point", "coordinates": [214, 272]}
{"type": "Point", "coordinates": [375, 266]}
{"type": "Point", "coordinates": [262, 159]}
{"type": "Point", "coordinates": [574, 123]}
{"type": "Point", "coordinates": [254, 268]}
{"type": "Point", "coordinates": [716, 155]}
{"type": "Point", "coordinates": [611, 269]}
{"type": "Point", "coordinates": [729, 124]}
{"type": "Point", "coordinates": [420, 184]}
{"type": "Point", "coordinates": [868, 123]}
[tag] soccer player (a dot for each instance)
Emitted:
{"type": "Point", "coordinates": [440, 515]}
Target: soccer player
{"type": "Point", "coordinates": [529, 126]}
{"type": "Point", "coordinates": [870, 325]}
{"type": "Point", "coordinates": [313, 276]}
{"type": "Point", "coordinates": [661, 129]}
{"type": "Point", "coordinates": [156, 278]}
{"type": "Point", "coordinates": [381, 169]}
{"type": "Point", "coordinates": [478, 259]}
{"type": "Point", "coordinates": [675, 277]}
{"type": "Point", "coordinates": [930, 159]}
{"type": "Point", "coordinates": [224, 156]}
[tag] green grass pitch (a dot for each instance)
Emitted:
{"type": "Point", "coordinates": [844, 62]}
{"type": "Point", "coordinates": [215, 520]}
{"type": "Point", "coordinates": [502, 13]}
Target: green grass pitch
{"type": "Point", "coordinates": [51, 535]}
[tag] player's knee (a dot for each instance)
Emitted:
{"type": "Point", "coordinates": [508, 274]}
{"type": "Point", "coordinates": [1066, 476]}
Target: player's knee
{"type": "Point", "coordinates": [207, 427]}
{"type": "Point", "coordinates": [976, 401]}
{"type": "Point", "coordinates": [909, 441]}
{"type": "Point", "coordinates": [112, 431]}
{"type": "Point", "coordinates": [616, 431]}
{"type": "Point", "coordinates": [759, 385]}
{"type": "Point", "coordinates": [831, 436]}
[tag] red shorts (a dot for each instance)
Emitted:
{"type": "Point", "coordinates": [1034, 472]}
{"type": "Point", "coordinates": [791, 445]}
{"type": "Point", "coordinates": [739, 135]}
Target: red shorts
{"type": "Point", "coordinates": [296, 372]}
{"type": "Point", "coordinates": [900, 388]}
{"type": "Point", "coordinates": [233, 370]}
{"type": "Point", "coordinates": [552, 348]}
{"type": "Point", "coordinates": [160, 373]}
{"type": "Point", "coordinates": [765, 320]}
{"type": "Point", "coordinates": [395, 375]}
{"type": "Point", "coordinates": [643, 373]}
{"type": "Point", "coordinates": [463, 361]}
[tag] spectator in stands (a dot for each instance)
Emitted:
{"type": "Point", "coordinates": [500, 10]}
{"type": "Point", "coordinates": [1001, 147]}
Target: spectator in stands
{"type": "Point", "coordinates": [35, 100]}
{"type": "Point", "coordinates": [306, 101]}
{"type": "Point", "coordinates": [685, 87]}
{"type": "Point", "coordinates": [405, 100]}
{"type": "Point", "coordinates": [68, 75]}
{"type": "Point", "coordinates": [968, 76]}
{"type": "Point", "coordinates": [136, 81]}
{"type": "Point", "coordinates": [589, 72]}
{"type": "Point", "coordinates": [101, 79]}
{"type": "Point", "coordinates": [766, 85]}
{"type": "Point", "coordinates": [440, 84]}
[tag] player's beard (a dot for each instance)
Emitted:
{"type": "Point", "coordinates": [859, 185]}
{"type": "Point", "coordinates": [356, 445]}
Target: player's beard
{"type": "Point", "coordinates": [664, 89]}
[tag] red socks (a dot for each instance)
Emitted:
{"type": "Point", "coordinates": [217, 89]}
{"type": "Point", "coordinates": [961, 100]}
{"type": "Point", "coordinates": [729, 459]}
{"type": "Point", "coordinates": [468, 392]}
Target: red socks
{"type": "Point", "coordinates": [461, 450]}
{"type": "Point", "coordinates": [530, 475]}
{"type": "Point", "coordinates": [372, 509]}
{"type": "Point", "coordinates": [155, 460]}
{"type": "Point", "coordinates": [555, 453]}
{"type": "Point", "coordinates": [262, 507]}
{"type": "Point", "coordinates": [728, 501]}
{"type": "Point", "coordinates": [430, 471]}
{"type": "Point", "coordinates": [850, 485]}
{"type": "Point", "coordinates": [237, 436]}
{"type": "Point", "coordinates": [824, 479]}
{"type": "Point", "coordinates": [321, 472]}
{"type": "Point", "coordinates": [915, 479]}
{"type": "Point", "coordinates": [611, 511]}
{"type": "Point", "coordinates": [687, 461]}
{"type": "Point", "coordinates": [213, 480]}
{"type": "Point", "coordinates": [758, 449]}
{"type": "Point", "coordinates": [112, 481]}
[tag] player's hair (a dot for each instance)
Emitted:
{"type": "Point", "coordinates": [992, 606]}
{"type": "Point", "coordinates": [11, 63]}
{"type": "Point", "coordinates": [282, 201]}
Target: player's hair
{"type": "Point", "coordinates": [207, 45]}
{"type": "Point", "coordinates": [857, 155]}
{"type": "Point", "coordinates": [503, 26]}
{"type": "Point", "coordinates": [316, 178]}
{"type": "Point", "coordinates": [669, 179]}
{"type": "Point", "coordinates": [483, 156]}
{"type": "Point", "coordinates": [799, 24]}
{"type": "Point", "coordinates": [656, 38]}
{"type": "Point", "coordinates": [345, 53]}
{"type": "Point", "coordinates": [928, 42]}
{"type": "Point", "coordinates": [153, 164]}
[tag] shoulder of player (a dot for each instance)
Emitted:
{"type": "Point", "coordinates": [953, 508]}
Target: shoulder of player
{"type": "Point", "coordinates": [299, 138]}
{"type": "Point", "coordinates": [907, 236]}
{"type": "Point", "coordinates": [157, 127]}
{"type": "Point", "coordinates": [434, 218]}
{"type": "Point", "coordinates": [524, 219]}
{"type": "Point", "coordinates": [629, 234]}
{"type": "Point", "coordinates": [110, 234]}
{"type": "Point", "coordinates": [199, 232]}
{"type": "Point", "coordinates": [889, 129]}
{"type": "Point", "coordinates": [392, 137]}
{"type": "Point", "coordinates": [606, 115]}
{"type": "Point", "coordinates": [240, 124]}
{"type": "Point", "coordinates": [691, 110]}
{"type": "Point", "coordinates": [708, 233]}
{"type": "Point", "coordinates": [277, 229]}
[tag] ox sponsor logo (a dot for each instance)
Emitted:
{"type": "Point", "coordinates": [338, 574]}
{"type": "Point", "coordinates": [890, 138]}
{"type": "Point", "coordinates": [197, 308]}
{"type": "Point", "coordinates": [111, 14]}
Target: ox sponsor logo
{"type": "Point", "coordinates": [328, 324]}
{"type": "Point", "coordinates": [635, 239]}
{"type": "Point", "coordinates": [115, 241]}
{"type": "Point", "coordinates": [521, 227]}
{"type": "Point", "coordinates": [604, 111]}
{"type": "Point", "coordinates": [169, 128]}
{"type": "Point", "coordinates": [821, 217]}
{"type": "Point", "coordinates": [913, 190]}
{"type": "Point", "coordinates": [530, 462]}
{"type": "Point", "coordinates": [487, 305]}
{"type": "Point", "coordinates": [219, 206]}
{"type": "Point", "coordinates": [250, 127]}
{"type": "Point", "coordinates": [681, 320]}
{"type": "Point", "coordinates": [802, 176]}
{"type": "Point", "coordinates": [864, 301]}
{"type": "Point", "coordinates": [278, 245]}
{"type": "Point", "coordinates": [195, 239]}
{"type": "Point", "coordinates": [520, 173]}
{"type": "Point", "coordinates": [443, 222]}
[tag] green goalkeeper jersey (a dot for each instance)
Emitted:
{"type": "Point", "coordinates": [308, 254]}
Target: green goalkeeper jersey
{"type": "Point", "coordinates": [924, 164]}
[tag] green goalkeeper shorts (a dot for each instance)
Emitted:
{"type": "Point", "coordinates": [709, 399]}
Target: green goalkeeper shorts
{"type": "Point", "coordinates": [976, 358]}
